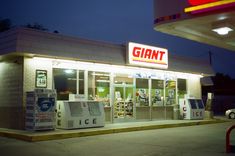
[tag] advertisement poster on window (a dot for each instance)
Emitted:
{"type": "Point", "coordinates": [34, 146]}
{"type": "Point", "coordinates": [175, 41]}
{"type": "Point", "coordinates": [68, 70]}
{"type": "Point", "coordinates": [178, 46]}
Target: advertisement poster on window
{"type": "Point", "coordinates": [41, 79]}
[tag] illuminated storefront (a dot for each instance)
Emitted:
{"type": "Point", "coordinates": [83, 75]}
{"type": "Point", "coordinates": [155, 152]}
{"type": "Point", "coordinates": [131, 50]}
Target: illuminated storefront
{"type": "Point", "coordinates": [134, 81]}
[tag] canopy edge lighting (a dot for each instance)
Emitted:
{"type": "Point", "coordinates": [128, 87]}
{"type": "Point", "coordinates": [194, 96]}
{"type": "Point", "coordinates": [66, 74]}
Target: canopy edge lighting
{"type": "Point", "coordinates": [208, 5]}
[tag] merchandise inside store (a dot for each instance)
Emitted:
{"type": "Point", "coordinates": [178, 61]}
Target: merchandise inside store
{"type": "Point", "coordinates": [127, 93]}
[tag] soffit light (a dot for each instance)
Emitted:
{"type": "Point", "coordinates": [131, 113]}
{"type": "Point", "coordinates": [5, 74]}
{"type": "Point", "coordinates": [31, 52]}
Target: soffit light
{"type": "Point", "coordinates": [222, 30]}
{"type": "Point", "coordinates": [98, 67]}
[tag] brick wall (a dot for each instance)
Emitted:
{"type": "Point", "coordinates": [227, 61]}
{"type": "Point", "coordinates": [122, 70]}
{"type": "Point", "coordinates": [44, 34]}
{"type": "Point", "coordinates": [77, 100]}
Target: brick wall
{"type": "Point", "coordinates": [15, 81]}
{"type": "Point", "coordinates": [11, 92]}
{"type": "Point", "coordinates": [30, 67]}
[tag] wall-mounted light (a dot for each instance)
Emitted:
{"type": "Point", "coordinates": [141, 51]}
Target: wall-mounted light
{"type": "Point", "coordinates": [222, 30]}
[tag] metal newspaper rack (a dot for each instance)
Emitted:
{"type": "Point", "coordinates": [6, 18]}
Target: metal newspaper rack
{"type": "Point", "coordinates": [40, 109]}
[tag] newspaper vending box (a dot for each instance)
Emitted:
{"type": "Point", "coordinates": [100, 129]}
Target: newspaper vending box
{"type": "Point", "coordinates": [79, 114]}
{"type": "Point", "coordinates": [40, 109]}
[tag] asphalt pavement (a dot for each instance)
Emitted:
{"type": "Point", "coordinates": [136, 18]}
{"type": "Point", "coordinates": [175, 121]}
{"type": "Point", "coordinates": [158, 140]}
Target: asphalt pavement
{"type": "Point", "coordinates": [203, 140]}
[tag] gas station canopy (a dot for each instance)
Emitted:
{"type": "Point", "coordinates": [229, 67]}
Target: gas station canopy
{"type": "Point", "coordinates": [206, 21]}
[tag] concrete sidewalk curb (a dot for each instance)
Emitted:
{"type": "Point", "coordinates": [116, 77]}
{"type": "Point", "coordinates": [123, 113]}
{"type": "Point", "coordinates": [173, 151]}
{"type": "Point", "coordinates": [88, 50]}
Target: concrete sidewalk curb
{"type": "Point", "coordinates": [54, 135]}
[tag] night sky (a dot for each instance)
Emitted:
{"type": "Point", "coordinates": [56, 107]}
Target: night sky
{"type": "Point", "coordinates": [116, 21]}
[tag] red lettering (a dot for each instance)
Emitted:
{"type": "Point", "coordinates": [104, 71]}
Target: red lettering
{"type": "Point", "coordinates": [200, 2]}
{"type": "Point", "coordinates": [148, 53]}
{"type": "Point", "coordinates": [142, 52]}
{"type": "Point", "coordinates": [161, 54]}
{"type": "Point", "coordinates": [136, 51]}
{"type": "Point", "coordinates": [154, 54]}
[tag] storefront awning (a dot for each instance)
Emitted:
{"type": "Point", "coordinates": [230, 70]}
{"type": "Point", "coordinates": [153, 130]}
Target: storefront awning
{"type": "Point", "coordinates": [206, 81]}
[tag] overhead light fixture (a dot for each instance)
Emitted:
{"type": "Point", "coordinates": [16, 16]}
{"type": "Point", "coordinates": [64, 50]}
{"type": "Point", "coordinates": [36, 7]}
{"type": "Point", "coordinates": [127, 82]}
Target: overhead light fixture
{"type": "Point", "coordinates": [222, 30]}
{"type": "Point", "coordinates": [107, 81]}
{"type": "Point", "coordinates": [69, 71]}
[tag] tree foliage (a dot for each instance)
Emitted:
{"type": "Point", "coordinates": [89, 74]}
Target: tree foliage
{"type": "Point", "coordinates": [5, 24]}
{"type": "Point", "coordinates": [223, 85]}
{"type": "Point", "coordinates": [36, 26]}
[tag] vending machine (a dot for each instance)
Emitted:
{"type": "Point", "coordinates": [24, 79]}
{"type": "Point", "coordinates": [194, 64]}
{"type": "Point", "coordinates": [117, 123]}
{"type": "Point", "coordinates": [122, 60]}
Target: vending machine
{"type": "Point", "coordinates": [191, 108]}
{"type": "Point", "coordinates": [40, 109]}
{"type": "Point", "coordinates": [79, 114]}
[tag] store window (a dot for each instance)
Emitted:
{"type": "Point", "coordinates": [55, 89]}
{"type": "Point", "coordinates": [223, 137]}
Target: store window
{"type": "Point", "coordinates": [123, 93]}
{"type": "Point", "coordinates": [170, 92]}
{"type": "Point", "coordinates": [142, 90]}
{"type": "Point", "coordinates": [182, 89]}
{"type": "Point", "coordinates": [157, 92]}
{"type": "Point", "coordinates": [99, 87]}
{"type": "Point", "coordinates": [65, 81]}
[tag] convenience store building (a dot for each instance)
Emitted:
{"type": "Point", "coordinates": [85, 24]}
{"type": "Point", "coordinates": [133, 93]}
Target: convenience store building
{"type": "Point", "coordinates": [134, 81]}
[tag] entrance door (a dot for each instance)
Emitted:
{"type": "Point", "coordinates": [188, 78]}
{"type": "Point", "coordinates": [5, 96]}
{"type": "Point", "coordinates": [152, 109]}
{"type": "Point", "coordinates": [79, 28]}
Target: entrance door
{"type": "Point", "coordinates": [123, 102]}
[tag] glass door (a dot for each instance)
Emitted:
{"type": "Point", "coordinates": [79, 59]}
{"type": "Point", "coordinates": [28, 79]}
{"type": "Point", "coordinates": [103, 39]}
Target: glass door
{"type": "Point", "coordinates": [123, 102]}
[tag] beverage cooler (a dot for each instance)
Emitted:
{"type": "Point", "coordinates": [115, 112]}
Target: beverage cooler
{"type": "Point", "coordinates": [192, 108]}
{"type": "Point", "coordinates": [40, 109]}
{"type": "Point", "coordinates": [79, 114]}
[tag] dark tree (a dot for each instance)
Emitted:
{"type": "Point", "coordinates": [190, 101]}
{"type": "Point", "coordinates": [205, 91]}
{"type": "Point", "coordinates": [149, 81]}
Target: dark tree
{"type": "Point", "coordinates": [223, 85]}
{"type": "Point", "coordinates": [5, 24]}
{"type": "Point", "coordinates": [56, 32]}
{"type": "Point", "coordinates": [36, 26]}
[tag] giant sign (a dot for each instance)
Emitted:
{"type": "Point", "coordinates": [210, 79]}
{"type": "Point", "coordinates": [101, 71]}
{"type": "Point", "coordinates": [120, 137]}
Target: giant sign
{"type": "Point", "coordinates": [148, 56]}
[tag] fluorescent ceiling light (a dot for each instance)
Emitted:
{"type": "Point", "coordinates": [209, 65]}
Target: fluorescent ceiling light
{"type": "Point", "coordinates": [222, 30]}
{"type": "Point", "coordinates": [69, 71]}
{"type": "Point", "coordinates": [99, 74]}
{"type": "Point", "coordinates": [102, 81]}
